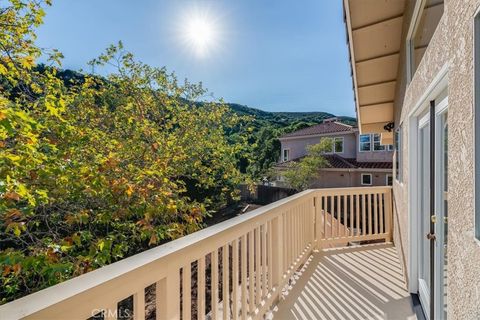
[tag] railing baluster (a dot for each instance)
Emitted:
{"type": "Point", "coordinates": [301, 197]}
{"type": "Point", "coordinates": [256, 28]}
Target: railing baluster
{"type": "Point", "coordinates": [357, 214]}
{"type": "Point", "coordinates": [351, 216]}
{"type": "Point", "coordinates": [214, 285]}
{"type": "Point", "coordinates": [225, 281]}
{"type": "Point", "coordinates": [187, 291]}
{"type": "Point", "coordinates": [258, 279]}
{"type": "Point", "coordinates": [243, 258]}
{"type": "Point", "coordinates": [331, 213]}
{"type": "Point", "coordinates": [388, 215]}
{"type": "Point", "coordinates": [370, 215]}
{"type": "Point", "coordinates": [294, 234]}
{"type": "Point", "coordinates": [235, 279]}
{"type": "Point", "coordinates": [296, 219]}
{"type": "Point", "coordinates": [139, 305]}
{"type": "Point", "coordinates": [339, 214]}
{"type": "Point", "coordinates": [111, 311]}
{"type": "Point", "coordinates": [324, 215]}
{"type": "Point", "coordinates": [201, 288]}
{"type": "Point", "coordinates": [168, 296]}
{"type": "Point", "coordinates": [264, 260]}
{"type": "Point", "coordinates": [382, 212]}
{"type": "Point", "coordinates": [270, 255]}
{"type": "Point", "coordinates": [251, 279]}
{"type": "Point", "coordinates": [364, 214]}
{"type": "Point", "coordinates": [278, 252]}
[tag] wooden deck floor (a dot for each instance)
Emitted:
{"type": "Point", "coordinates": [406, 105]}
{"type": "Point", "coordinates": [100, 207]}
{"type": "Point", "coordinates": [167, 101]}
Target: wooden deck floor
{"type": "Point", "coordinates": [349, 283]}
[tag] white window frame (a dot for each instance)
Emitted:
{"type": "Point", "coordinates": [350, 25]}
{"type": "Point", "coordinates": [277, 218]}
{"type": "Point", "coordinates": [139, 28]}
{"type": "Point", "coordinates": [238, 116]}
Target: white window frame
{"type": "Point", "coordinates": [389, 175]}
{"type": "Point", "coordinates": [335, 146]}
{"type": "Point", "coordinates": [364, 175]}
{"type": "Point", "coordinates": [417, 13]}
{"type": "Point", "coordinates": [412, 29]}
{"type": "Point", "coordinates": [360, 142]}
{"type": "Point", "coordinates": [285, 159]}
{"type": "Point", "coordinates": [476, 112]}
{"type": "Point", "coordinates": [379, 143]}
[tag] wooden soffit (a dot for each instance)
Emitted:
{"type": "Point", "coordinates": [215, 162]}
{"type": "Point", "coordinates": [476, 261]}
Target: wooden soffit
{"type": "Point", "coordinates": [374, 30]}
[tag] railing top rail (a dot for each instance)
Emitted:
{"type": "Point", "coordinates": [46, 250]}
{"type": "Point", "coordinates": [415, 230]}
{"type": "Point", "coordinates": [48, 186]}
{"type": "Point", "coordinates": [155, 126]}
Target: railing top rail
{"type": "Point", "coordinates": [353, 190]}
{"type": "Point", "coordinates": [170, 254]}
{"type": "Point", "coordinates": [37, 301]}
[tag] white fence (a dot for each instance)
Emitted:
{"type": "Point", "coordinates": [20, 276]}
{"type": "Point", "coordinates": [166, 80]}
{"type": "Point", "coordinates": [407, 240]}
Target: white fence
{"type": "Point", "coordinates": [233, 270]}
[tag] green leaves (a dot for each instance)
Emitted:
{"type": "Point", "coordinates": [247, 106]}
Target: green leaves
{"type": "Point", "coordinates": [302, 173]}
{"type": "Point", "coordinates": [97, 169]}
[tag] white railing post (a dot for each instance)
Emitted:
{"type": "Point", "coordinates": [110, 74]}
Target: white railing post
{"type": "Point", "coordinates": [139, 305]}
{"type": "Point", "coordinates": [318, 221]}
{"type": "Point", "coordinates": [278, 250]}
{"type": "Point", "coordinates": [168, 296]}
{"type": "Point", "coordinates": [389, 215]}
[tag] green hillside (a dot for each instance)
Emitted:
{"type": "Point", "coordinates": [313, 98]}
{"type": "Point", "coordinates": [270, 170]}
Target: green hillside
{"type": "Point", "coordinates": [265, 129]}
{"type": "Point", "coordinates": [287, 118]}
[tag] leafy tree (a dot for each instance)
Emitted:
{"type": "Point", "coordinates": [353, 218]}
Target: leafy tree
{"type": "Point", "coordinates": [301, 174]}
{"type": "Point", "coordinates": [94, 169]}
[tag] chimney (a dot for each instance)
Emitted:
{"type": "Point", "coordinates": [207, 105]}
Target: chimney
{"type": "Point", "coordinates": [330, 120]}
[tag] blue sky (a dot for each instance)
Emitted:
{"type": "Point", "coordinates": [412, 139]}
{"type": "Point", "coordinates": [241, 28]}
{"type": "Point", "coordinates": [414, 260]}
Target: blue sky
{"type": "Point", "coordinates": [281, 55]}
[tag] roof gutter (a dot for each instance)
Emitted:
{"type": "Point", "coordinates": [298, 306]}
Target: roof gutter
{"type": "Point", "coordinates": [348, 27]}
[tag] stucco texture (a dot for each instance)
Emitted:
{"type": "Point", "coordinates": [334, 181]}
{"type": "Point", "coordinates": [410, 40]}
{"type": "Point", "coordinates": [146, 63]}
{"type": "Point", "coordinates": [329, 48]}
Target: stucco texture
{"type": "Point", "coordinates": [452, 45]}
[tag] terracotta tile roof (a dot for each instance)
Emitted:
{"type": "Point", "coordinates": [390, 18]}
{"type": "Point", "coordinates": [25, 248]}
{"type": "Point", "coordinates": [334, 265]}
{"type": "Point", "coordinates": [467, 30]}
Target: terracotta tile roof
{"type": "Point", "coordinates": [371, 165]}
{"type": "Point", "coordinates": [338, 162]}
{"type": "Point", "coordinates": [322, 128]}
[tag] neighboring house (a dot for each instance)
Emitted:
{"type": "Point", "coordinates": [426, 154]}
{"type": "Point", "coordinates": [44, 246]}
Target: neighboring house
{"type": "Point", "coordinates": [355, 160]}
{"type": "Point", "coordinates": [416, 79]}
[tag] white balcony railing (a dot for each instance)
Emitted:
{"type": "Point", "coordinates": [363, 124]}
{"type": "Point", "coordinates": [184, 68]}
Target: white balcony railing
{"type": "Point", "coordinates": [233, 270]}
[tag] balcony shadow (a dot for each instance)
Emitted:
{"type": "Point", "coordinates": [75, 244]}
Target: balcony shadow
{"type": "Point", "coordinates": [350, 283]}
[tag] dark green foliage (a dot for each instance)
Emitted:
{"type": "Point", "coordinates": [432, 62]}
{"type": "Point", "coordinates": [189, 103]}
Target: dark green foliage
{"type": "Point", "coordinates": [265, 129]}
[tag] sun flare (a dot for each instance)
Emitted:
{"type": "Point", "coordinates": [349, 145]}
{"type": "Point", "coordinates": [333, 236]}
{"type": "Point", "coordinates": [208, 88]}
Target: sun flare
{"type": "Point", "coordinates": [200, 33]}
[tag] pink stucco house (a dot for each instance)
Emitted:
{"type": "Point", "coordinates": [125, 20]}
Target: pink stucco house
{"type": "Point", "coordinates": [356, 159]}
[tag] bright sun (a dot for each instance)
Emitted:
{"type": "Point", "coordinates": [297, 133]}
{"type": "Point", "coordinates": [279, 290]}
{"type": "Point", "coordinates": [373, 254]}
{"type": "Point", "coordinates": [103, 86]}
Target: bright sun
{"type": "Point", "coordinates": [200, 33]}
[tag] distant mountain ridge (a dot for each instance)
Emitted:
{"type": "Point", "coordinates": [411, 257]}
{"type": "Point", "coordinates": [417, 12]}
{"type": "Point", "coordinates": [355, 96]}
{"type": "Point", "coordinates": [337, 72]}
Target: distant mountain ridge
{"type": "Point", "coordinates": [283, 118]}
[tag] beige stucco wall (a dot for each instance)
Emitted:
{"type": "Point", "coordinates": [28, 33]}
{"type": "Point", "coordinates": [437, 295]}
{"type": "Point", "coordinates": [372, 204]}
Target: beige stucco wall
{"type": "Point", "coordinates": [298, 145]}
{"type": "Point", "coordinates": [452, 44]}
{"type": "Point", "coordinates": [345, 178]}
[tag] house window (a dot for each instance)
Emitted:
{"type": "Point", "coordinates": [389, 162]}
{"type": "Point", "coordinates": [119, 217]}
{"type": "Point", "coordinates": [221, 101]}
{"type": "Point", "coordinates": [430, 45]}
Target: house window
{"type": "Point", "coordinates": [366, 179]}
{"type": "Point", "coordinates": [398, 154]}
{"type": "Point", "coordinates": [365, 142]}
{"type": "Point", "coordinates": [426, 16]}
{"type": "Point", "coordinates": [338, 145]}
{"type": "Point", "coordinates": [286, 155]}
{"type": "Point", "coordinates": [377, 146]}
{"type": "Point", "coordinates": [389, 180]}
{"type": "Point", "coordinates": [390, 147]}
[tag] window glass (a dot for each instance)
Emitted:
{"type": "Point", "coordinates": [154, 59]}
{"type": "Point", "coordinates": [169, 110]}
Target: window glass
{"type": "Point", "coordinates": [365, 142]}
{"type": "Point", "coordinates": [286, 154]}
{"type": "Point", "coordinates": [389, 180]}
{"type": "Point", "coordinates": [366, 179]}
{"type": "Point", "coordinates": [377, 146]}
{"type": "Point", "coordinates": [338, 145]}
{"type": "Point", "coordinates": [426, 25]}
